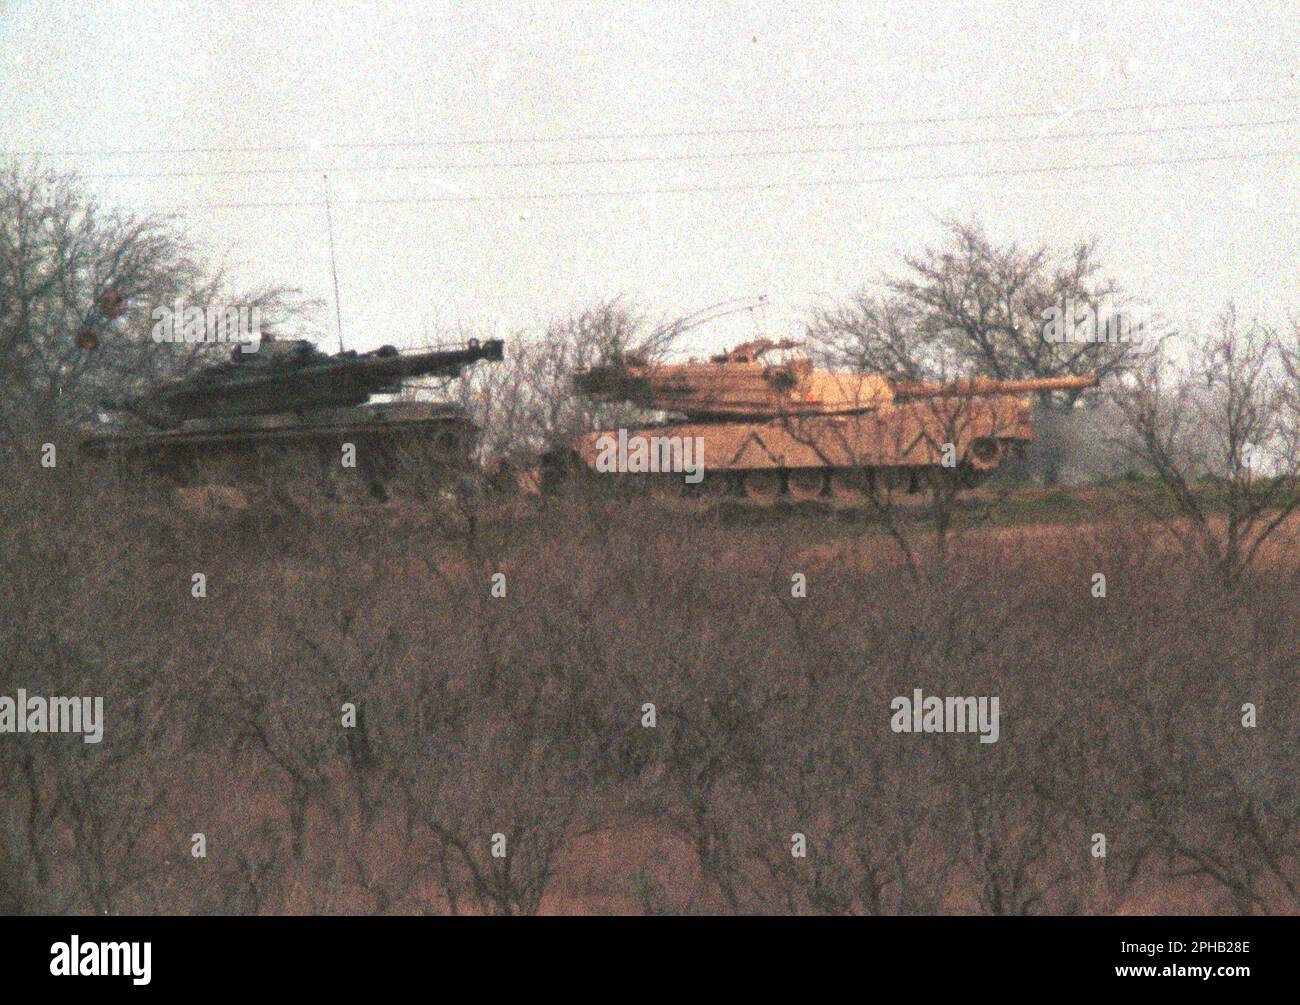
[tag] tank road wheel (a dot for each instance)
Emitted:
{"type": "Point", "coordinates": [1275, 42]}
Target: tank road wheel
{"type": "Point", "coordinates": [377, 465]}
{"type": "Point", "coordinates": [712, 485]}
{"type": "Point", "coordinates": [985, 453]}
{"type": "Point", "coordinates": [853, 484]}
{"type": "Point", "coordinates": [805, 483]}
{"type": "Point", "coordinates": [981, 459]}
{"type": "Point", "coordinates": [894, 479]}
{"type": "Point", "coordinates": [763, 485]}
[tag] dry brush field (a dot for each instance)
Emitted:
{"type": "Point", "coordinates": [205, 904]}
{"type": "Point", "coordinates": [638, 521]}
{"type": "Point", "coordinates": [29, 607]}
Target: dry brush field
{"type": "Point", "coordinates": [523, 716]}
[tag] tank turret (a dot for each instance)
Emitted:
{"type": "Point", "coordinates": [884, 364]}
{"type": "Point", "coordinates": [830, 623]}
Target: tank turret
{"type": "Point", "coordinates": [293, 376]}
{"type": "Point", "coordinates": [739, 385]}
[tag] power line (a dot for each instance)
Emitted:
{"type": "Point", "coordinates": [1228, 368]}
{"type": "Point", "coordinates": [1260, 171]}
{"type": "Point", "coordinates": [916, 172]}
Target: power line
{"type": "Point", "coordinates": [644, 135]}
{"type": "Point", "coordinates": [727, 155]}
{"type": "Point", "coordinates": [744, 187]}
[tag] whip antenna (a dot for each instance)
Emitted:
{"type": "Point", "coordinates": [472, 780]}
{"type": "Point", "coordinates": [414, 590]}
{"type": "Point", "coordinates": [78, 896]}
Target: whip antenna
{"type": "Point", "coordinates": [334, 265]}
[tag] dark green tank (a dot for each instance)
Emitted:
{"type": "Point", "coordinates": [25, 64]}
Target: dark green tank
{"type": "Point", "coordinates": [288, 409]}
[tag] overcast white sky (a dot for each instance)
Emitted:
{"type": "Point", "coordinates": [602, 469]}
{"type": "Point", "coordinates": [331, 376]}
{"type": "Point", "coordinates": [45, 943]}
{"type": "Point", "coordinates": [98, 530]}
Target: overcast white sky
{"type": "Point", "coordinates": [104, 76]}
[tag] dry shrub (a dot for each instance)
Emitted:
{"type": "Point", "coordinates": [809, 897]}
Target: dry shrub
{"type": "Point", "coordinates": [521, 715]}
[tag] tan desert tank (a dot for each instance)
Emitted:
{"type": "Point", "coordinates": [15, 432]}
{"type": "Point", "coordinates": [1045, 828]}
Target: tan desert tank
{"type": "Point", "coordinates": [741, 424]}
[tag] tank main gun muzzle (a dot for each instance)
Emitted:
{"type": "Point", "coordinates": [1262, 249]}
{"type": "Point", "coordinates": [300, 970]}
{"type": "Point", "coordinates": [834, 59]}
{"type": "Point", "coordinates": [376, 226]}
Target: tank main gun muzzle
{"type": "Point", "coordinates": [983, 386]}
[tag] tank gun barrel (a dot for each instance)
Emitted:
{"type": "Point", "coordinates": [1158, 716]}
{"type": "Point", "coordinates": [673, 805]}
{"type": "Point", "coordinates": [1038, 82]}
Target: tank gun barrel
{"type": "Point", "coordinates": [299, 380]}
{"type": "Point", "coordinates": [979, 386]}
{"type": "Point", "coordinates": [395, 366]}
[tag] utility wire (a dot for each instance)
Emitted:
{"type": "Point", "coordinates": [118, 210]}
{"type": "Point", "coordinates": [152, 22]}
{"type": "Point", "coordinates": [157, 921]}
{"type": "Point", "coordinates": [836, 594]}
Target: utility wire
{"type": "Point", "coordinates": [743, 187]}
{"type": "Point", "coordinates": [644, 135]}
{"type": "Point", "coordinates": [728, 155]}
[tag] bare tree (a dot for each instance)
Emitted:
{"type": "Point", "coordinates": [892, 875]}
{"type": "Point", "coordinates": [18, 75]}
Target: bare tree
{"type": "Point", "coordinates": [527, 403]}
{"type": "Point", "coordinates": [78, 287]}
{"type": "Point", "coordinates": [972, 306]}
{"type": "Point", "coordinates": [1222, 435]}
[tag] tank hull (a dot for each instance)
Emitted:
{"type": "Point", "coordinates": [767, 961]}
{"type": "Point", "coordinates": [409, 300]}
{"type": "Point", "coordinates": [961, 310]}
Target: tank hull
{"type": "Point", "coordinates": [266, 451]}
{"type": "Point", "coordinates": [812, 455]}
